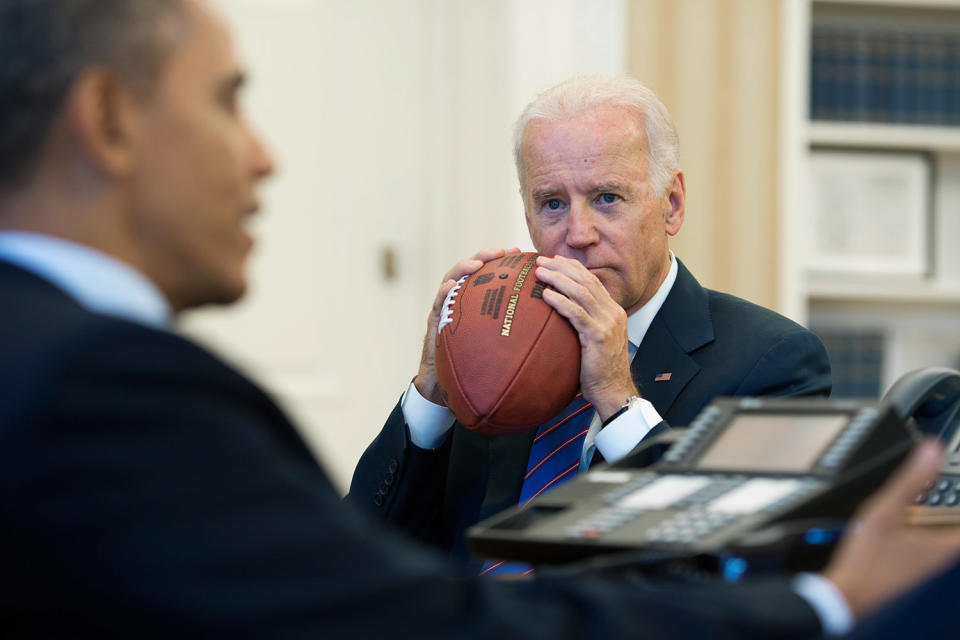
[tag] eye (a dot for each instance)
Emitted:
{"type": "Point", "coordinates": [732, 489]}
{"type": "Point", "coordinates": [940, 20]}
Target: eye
{"type": "Point", "coordinates": [553, 204]}
{"type": "Point", "coordinates": [608, 198]}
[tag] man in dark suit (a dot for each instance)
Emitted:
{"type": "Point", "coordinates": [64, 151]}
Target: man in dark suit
{"type": "Point", "coordinates": [150, 490]}
{"type": "Point", "coordinates": [598, 164]}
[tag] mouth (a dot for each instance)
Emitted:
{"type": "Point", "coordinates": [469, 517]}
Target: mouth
{"type": "Point", "coordinates": [248, 239]}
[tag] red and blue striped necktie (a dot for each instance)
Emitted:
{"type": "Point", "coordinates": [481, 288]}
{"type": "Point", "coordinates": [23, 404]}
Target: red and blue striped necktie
{"type": "Point", "coordinates": [554, 459]}
{"type": "Point", "coordinates": [557, 447]}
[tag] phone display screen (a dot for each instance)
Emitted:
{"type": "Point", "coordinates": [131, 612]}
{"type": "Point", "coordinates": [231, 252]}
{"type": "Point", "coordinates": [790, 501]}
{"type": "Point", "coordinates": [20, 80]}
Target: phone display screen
{"type": "Point", "coordinates": [773, 442]}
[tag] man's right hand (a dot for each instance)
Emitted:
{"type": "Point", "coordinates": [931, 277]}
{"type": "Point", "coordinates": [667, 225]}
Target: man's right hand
{"type": "Point", "coordinates": [426, 379]}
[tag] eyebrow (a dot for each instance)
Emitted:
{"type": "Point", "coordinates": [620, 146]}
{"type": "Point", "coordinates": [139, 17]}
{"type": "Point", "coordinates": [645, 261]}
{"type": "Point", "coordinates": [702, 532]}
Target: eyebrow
{"type": "Point", "coordinates": [617, 187]}
{"type": "Point", "coordinates": [543, 194]}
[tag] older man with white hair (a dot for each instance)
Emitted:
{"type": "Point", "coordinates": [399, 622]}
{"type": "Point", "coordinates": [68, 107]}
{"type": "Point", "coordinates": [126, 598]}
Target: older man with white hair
{"type": "Point", "coordinates": [598, 164]}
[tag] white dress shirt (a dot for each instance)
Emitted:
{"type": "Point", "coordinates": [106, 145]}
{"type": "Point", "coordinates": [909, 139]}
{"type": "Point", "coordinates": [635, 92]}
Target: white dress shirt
{"type": "Point", "coordinates": [95, 280]}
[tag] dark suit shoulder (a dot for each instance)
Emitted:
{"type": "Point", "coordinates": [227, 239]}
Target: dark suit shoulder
{"type": "Point", "coordinates": [716, 344]}
{"type": "Point", "coordinates": [696, 316]}
{"type": "Point", "coordinates": [776, 355]}
{"type": "Point", "coordinates": [43, 330]}
{"type": "Point", "coordinates": [61, 364]}
{"type": "Point", "coordinates": [40, 357]}
{"type": "Point", "coordinates": [731, 313]}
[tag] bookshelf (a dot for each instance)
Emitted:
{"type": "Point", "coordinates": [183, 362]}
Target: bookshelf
{"type": "Point", "coordinates": [884, 136]}
{"type": "Point", "coordinates": [876, 328]}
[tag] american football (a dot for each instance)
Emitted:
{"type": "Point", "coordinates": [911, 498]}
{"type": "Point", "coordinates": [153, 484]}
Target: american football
{"type": "Point", "coordinates": [504, 358]}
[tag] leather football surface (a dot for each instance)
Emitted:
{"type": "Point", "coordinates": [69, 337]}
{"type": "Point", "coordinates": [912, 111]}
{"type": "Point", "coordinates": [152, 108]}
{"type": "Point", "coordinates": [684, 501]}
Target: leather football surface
{"type": "Point", "coordinates": [505, 360]}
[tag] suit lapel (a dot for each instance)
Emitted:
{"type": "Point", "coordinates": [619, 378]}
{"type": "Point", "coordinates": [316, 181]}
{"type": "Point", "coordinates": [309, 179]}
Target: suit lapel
{"type": "Point", "coordinates": [681, 326]}
{"type": "Point", "coordinates": [660, 354]}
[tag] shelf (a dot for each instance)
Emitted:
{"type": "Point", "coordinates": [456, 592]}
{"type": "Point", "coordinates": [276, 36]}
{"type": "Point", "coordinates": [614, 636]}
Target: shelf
{"type": "Point", "coordinates": [912, 5]}
{"type": "Point", "coordinates": [884, 136]}
{"type": "Point", "coordinates": [897, 293]}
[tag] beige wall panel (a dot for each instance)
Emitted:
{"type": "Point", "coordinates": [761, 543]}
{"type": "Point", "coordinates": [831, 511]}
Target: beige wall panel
{"type": "Point", "coordinates": [694, 107]}
{"type": "Point", "coordinates": [714, 64]}
{"type": "Point", "coordinates": [646, 43]}
{"type": "Point", "coordinates": [755, 44]}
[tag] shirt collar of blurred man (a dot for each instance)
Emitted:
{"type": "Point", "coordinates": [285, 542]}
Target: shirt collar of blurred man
{"type": "Point", "coordinates": [96, 280]}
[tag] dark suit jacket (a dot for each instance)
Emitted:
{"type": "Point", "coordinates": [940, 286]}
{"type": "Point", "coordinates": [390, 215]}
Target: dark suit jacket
{"type": "Point", "coordinates": [149, 490]}
{"type": "Point", "coordinates": [712, 343]}
{"type": "Point", "coordinates": [926, 613]}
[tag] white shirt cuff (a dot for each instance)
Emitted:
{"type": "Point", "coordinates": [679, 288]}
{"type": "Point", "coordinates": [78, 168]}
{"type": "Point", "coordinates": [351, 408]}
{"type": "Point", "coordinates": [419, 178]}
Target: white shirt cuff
{"type": "Point", "coordinates": [827, 601]}
{"type": "Point", "coordinates": [618, 438]}
{"type": "Point", "coordinates": [428, 423]}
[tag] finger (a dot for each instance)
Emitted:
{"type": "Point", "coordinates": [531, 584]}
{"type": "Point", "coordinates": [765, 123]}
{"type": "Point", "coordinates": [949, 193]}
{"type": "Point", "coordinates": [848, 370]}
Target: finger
{"type": "Point", "coordinates": [570, 310]}
{"type": "Point", "coordinates": [574, 271]}
{"type": "Point", "coordinates": [488, 254]}
{"type": "Point", "coordinates": [900, 491]}
{"type": "Point", "coordinates": [472, 264]}
{"type": "Point", "coordinates": [463, 268]}
{"type": "Point", "coordinates": [441, 296]}
{"type": "Point", "coordinates": [582, 288]}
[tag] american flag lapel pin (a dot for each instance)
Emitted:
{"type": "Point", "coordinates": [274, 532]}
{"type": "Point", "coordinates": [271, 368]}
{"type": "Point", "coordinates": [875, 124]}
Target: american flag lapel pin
{"type": "Point", "coordinates": [663, 377]}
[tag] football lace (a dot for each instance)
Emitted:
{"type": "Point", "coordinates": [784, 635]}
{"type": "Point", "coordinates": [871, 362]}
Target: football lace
{"type": "Point", "coordinates": [446, 312]}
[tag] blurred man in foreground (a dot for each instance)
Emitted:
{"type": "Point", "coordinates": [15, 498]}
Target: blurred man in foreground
{"type": "Point", "coordinates": [150, 490]}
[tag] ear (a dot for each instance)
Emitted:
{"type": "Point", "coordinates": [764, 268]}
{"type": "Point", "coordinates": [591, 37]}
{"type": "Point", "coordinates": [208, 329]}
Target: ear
{"type": "Point", "coordinates": [676, 204]}
{"type": "Point", "coordinates": [102, 117]}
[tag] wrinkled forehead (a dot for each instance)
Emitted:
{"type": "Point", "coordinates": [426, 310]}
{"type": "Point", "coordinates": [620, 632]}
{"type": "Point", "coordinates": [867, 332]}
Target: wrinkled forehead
{"type": "Point", "coordinates": [598, 146]}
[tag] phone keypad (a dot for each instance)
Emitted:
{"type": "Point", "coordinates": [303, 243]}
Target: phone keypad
{"type": "Point", "coordinates": [689, 517]}
{"type": "Point", "coordinates": [944, 492]}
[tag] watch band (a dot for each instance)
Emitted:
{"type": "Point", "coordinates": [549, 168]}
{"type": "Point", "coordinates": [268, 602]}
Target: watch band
{"type": "Point", "coordinates": [629, 403]}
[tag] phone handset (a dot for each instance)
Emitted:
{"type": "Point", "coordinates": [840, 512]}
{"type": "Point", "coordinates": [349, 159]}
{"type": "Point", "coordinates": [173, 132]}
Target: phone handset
{"type": "Point", "coordinates": [930, 399]}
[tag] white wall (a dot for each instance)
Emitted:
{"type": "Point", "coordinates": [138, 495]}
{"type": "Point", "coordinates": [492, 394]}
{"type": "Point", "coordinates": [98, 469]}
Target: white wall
{"type": "Point", "coordinates": [391, 123]}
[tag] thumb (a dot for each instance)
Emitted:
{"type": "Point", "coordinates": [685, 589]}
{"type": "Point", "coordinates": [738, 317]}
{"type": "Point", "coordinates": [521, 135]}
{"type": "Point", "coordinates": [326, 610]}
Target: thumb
{"type": "Point", "coordinates": [910, 479]}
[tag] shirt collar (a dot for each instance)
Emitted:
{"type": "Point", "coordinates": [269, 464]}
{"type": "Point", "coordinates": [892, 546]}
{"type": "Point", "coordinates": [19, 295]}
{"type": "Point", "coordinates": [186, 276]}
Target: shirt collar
{"type": "Point", "coordinates": [639, 321]}
{"type": "Point", "coordinates": [95, 280]}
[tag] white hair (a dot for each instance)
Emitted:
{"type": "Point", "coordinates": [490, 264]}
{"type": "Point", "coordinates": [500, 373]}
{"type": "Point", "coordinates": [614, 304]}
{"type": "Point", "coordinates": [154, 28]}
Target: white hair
{"type": "Point", "coordinates": [580, 95]}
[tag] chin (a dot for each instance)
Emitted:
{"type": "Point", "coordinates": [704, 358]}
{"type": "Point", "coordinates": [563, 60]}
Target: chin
{"type": "Point", "coordinates": [232, 293]}
{"type": "Point", "coordinates": [222, 292]}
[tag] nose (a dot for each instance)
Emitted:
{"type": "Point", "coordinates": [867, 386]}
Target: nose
{"type": "Point", "coordinates": [581, 226]}
{"type": "Point", "coordinates": [262, 164]}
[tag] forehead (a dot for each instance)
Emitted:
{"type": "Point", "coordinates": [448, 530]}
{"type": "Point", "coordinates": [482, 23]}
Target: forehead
{"type": "Point", "coordinates": [602, 145]}
{"type": "Point", "coordinates": [205, 48]}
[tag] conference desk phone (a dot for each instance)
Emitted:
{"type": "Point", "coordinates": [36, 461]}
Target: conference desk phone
{"type": "Point", "coordinates": [743, 464]}
{"type": "Point", "coordinates": [743, 473]}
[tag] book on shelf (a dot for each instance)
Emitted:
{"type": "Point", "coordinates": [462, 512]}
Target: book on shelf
{"type": "Point", "coordinates": [878, 74]}
{"type": "Point", "coordinates": [856, 361]}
